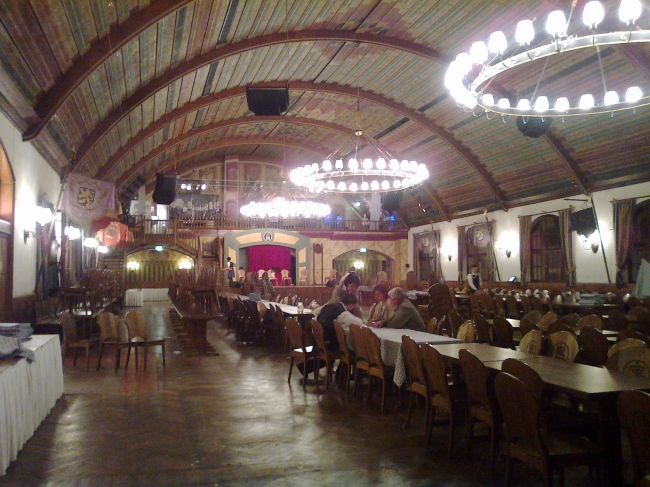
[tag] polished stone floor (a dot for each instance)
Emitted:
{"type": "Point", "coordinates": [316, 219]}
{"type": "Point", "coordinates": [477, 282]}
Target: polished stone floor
{"type": "Point", "coordinates": [234, 420]}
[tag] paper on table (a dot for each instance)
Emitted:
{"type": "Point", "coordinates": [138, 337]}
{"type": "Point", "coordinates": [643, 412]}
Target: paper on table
{"type": "Point", "coordinates": [9, 325]}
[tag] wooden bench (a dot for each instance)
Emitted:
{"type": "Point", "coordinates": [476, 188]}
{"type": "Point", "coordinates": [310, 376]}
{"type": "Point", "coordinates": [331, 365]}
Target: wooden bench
{"type": "Point", "coordinates": [193, 332]}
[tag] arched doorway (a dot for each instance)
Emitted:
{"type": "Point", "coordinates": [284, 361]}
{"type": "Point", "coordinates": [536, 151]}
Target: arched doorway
{"type": "Point", "coordinates": [366, 264]}
{"type": "Point", "coordinates": [7, 186]}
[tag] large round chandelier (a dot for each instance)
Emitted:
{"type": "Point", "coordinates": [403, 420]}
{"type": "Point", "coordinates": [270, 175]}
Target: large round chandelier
{"type": "Point", "coordinates": [470, 73]}
{"type": "Point", "coordinates": [360, 175]}
{"type": "Point", "coordinates": [280, 207]}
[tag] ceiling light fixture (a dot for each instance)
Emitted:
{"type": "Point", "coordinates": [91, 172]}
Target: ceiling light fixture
{"type": "Point", "coordinates": [280, 207]}
{"type": "Point", "coordinates": [467, 84]}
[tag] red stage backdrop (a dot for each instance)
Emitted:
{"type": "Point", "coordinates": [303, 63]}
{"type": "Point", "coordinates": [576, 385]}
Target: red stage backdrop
{"type": "Point", "coordinates": [267, 256]}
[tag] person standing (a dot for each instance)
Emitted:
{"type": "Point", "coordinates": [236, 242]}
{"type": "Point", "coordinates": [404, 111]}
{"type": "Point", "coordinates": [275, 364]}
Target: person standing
{"type": "Point", "coordinates": [474, 279]}
{"type": "Point", "coordinates": [231, 270]}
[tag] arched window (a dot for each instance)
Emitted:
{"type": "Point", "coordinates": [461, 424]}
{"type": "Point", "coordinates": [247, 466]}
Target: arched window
{"type": "Point", "coordinates": [639, 240]}
{"type": "Point", "coordinates": [547, 262]}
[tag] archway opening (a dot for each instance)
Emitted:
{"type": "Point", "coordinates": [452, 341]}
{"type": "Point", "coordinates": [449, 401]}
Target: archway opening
{"type": "Point", "coordinates": [366, 265]}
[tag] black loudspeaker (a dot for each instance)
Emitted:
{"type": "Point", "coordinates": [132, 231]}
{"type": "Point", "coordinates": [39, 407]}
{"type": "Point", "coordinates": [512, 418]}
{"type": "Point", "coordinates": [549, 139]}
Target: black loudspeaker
{"type": "Point", "coordinates": [391, 202]}
{"type": "Point", "coordinates": [583, 222]}
{"type": "Point", "coordinates": [165, 191]}
{"type": "Point", "coordinates": [267, 101]}
{"type": "Point", "coordinates": [533, 127]}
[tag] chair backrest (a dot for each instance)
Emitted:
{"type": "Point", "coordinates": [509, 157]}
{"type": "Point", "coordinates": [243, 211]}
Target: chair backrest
{"type": "Point", "coordinates": [627, 333]}
{"type": "Point", "coordinates": [482, 329]}
{"type": "Point", "coordinates": [285, 273]}
{"type": "Point", "coordinates": [634, 414]}
{"type": "Point", "coordinates": [525, 303]}
{"type": "Point", "coordinates": [502, 331]}
{"type": "Point", "coordinates": [594, 346]}
{"type": "Point", "coordinates": [346, 356]}
{"type": "Point", "coordinates": [616, 320]}
{"type": "Point", "coordinates": [532, 342]}
{"type": "Point", "coordinates": [559, 326]}
{"type": "Point", "coordinates": [432, 326]}
{"type": "Point", "coordinates": [627, 343]}
{"type": "Point", "coordinates": [295, 334]}
{"type": "Point", "coordinates": [546, 320]}
{"type": "Point", "coordinates": [68, 327]}
{"type": "Point", "coordinates": [136, 323]}
{"type": "Point", "coordinates": [500, 306]}
{"type": "Point", "coordinates": [260, 272]}
{"type": "Point", "coordinates": [513, 307]}
{"type": "Point", "coordinates": [373, 348]}
{"type": "Point", "coordinates": [474, 304]}
{"type": "Point", "coordinates": [358, 343]}
{"type": "Point", "coordinates": [319, 337]}
{"type": "Point", "coordinates": [455, 321]}
{"type": "Point", "coordinates": [439, 312]}
{"type": "Point", "coordinates": [262, 310]}
{"type": "Point", "coordinates": [412, 283]}
{"type": "Point", "coordinates": [413, 359]}
{"type": "Point", "coordinates": [642, 322]}
{"type": "Point", "coordinates": [436, 371]}
{"type": "Point", "coordinates": [590, 320]}
{"type": "Point", "coordinates": [632, 360]}
{"type": "Point", "coordinates": [534, 316]}
{"type": "Point", "coordinates": [478, 381]}
{"type": "Point", "coordinates": [635, 310]}
{"type": "Point", "coordinates": [526, 374]}
{"type": "Point", "coordinates": [525, 325]}
{"type": "Point", "coordinates": [521, 414]}
{"type": "Point", "coordinates": [467, 332]}
{"type": "Point", "coordinates": [108, 327]}
{"type": "Point", "coordinates": [285, 300]}
{"type": "Point", "coordinates": [382, 276]}
{"type": "Point", "coordinates": [562, 345]}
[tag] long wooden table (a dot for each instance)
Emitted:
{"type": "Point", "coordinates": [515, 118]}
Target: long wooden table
{"type": "Point", "coordinates": [196, 327]}
{"type": "Point", "coordinates": [595, 385]}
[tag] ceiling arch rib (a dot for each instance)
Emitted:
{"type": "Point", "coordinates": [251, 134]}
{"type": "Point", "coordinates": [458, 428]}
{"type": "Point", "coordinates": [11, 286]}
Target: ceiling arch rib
{"type": "Point", "coordinates": [142, 136]}
{"type": "Point", "coordinates": [221, 143]}
{"type": "Point", "coordinates": [65, 87]}
{"type": "Point", "coordinates": [95, 57]}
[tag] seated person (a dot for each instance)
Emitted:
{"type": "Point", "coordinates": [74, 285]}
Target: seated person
{"type": "Point", "coordinates": [381, 308]}
{"type": "Point", "coordinates": [474, 279]}
{"type": "Point", "coordinates": [406, 315]}
{"type": "Point", "coordinates": [350, 284]}
{"type": "Point", "coordinates": [331, 312]}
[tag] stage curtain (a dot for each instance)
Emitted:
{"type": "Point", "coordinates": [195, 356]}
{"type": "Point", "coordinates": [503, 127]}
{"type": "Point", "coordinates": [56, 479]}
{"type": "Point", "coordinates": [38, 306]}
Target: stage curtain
{"type": "Point", "coordinates": [567, 245]}
{"type": "Point", "coordinates": [268, 256]}
{"type": "Point", "coordinates": [623, 210]}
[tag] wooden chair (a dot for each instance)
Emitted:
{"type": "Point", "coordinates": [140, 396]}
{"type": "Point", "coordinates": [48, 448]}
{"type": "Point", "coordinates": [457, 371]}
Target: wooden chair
{"type": "Point", "coordinates": [534, 316]}
{"type": "Point", "coordinates": [631, 360]}
{"type": "Point", "coordinates": [571, 319]}
{"type": "Point", "coordinates": [526, 442]}
{"type": "Point", "coordinates": [322, 353]}
{"type": "Point", "coordinates": [562, 345]}
{"type": "Point", "coordinates": [627, 333]}
{"type": "Point", "coordinates": [642, 323]}
{"type": "Point", "coordinates": [526, 306]}
{"type": "Point", "coordinates": [111, 334]}
{"type": "Point", "coordinates": [525, 325]}
{"type": "Point", "coordinates": [559, 326]}
{"type": "Point", "coordinates": [481, 401]}
{"type": "Point", "coordinates": [513, 307]}
{"type": "Point", "coordinates": [136, 324]}
{"type": "Point", "coordinates": [361, 363]}
{"type": "Point", "coordinates": [590, 320]}
{"type": "Point", "coordinates": [634, 413]}
{"type": "Point", "coordinates": [594, 347]}
{"type": "Point", "coordinates": [616, 320]}
{"type": "Point", "coordinates": [627, 343]}
{"type": "Point", "coordinates": [70, 339]}
{"type": "Point", "coordinates": [538, 304]}
{"type": "Point", "coordinates": [500, 306]}
{"type": "Point", "coordinates": [376, 366]}
{"type": "Point", "coordinates": [432, 326]}
{"type": "Point", "coordinates": [532, 342]}
{"type": "Point", "coordinates": [416, 376]}
{"type": "Point", "coordinates": [467, 332]}
{"type": "Point", "coordinates": [502, 333]}
{"type": "Point", "coordinates": [546, 320]}
{"type": "Point", "coordinates": [635, 310]}
{"type": "Point", "coordinates": [347, 358]}
{"type": "Point", "coordinates": [301, 353]}
{"type": "Point", "coordinates": [455, 321]}
{"type": "Point", "coordinates": [442, 395]}
{"type": "Point", "coordinates": [482, 329]}
{"type": "Point", "coordinates": [286, 280]}
{"type": "Point", "coordinates": [474, 304]}
{"type": "Point", "coordinates": [487, 304]}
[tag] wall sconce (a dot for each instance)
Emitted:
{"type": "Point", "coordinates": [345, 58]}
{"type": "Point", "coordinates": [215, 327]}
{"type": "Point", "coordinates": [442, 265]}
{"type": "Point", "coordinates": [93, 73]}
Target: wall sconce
{"type": "Point", "coordinates": [29, 234]}
{"type": "Point", "coordinates": [44, 215]}
{"type": "Point", "coordinates": [591, 242]}
{"type": "Point", "coordinates": [133, 266]}
{"type": "Point", "coordinates": [445, 254]}
{"type": "Point", "coordinates": [506, 252]}
{"type": "Point", "coordinates": [358, 264]}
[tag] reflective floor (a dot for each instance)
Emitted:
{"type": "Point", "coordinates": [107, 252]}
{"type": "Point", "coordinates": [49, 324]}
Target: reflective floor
{"type": "Point", "coordinates": [233, 419]}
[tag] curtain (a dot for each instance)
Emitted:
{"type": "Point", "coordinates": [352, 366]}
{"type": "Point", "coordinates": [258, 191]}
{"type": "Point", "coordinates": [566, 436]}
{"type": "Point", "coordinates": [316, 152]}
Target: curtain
{"type": "Point", "coordinates": [462, 255]}
{"type": "Point", "coordinates": [481, 237]}
{"type": "Point", "coordinates": [524, 248]}
{"type": "Point", "coordinates": [429, 243]}
{"type": "Point", "coordinates": [436, 234]}
{"type": "Point", "coordinates": [268, 256]}
{"type": "Point", "coordinates": [622, 229]}
{"type": "Point", "coordinates": [567, 245]}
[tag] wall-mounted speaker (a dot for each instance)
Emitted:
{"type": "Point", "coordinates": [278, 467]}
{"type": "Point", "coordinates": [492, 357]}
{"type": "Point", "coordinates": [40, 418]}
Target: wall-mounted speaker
{"type": "Point", "coordinates": [533, 127]}
{"type": "Point", "coordinates": [165, 191]}
{"type": "Point", "coordinates": [267, 101]}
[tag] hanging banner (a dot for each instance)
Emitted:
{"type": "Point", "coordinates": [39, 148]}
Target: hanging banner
{"type": "Point", "coordinates": [479, 235]}
{"type": "Point", "coordinates": [85, 199]}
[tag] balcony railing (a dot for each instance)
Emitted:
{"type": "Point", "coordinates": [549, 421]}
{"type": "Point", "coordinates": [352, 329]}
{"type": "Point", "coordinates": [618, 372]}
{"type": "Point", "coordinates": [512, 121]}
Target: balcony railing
{"type": "Point", "coordinates": [187, 229]}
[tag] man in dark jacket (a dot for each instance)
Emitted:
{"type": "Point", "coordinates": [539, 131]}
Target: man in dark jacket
{"type": "Point", "coordinates": [329, 313]}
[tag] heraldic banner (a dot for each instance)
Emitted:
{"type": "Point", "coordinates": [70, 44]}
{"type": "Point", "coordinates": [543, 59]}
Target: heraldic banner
{"type": "Point", "coordinates": [85, 199]}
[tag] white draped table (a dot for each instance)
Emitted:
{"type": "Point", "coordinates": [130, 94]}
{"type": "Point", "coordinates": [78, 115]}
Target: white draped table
{"type": "Point", "coordinates": [28, 391]}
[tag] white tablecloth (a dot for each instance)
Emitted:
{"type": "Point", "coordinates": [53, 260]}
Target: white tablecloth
{"type": "Point", "coordinates": [391, 347]}
{"type": "Point", "coordinates": [133, 297]}
{"type": "Point", "coordinates": [155, 294]}
{"type": "Point", "coordinates": [28, 391]}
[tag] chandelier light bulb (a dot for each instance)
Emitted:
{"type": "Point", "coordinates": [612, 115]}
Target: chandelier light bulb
{"type": "Point", "coordinates": [342, 186]}
{"type": "Point", "coordinates": [633, 94]}
{"type": "Point", "coordinates": [385, 184]}
{"type": "Point", "coordinates": [353, 164]}
{"type": "Point", "coordinates": [320, 185]}
{"type": "Point", "coordinates": [364, 186]}
{"type": "Point", "coordinates": [381, 163]}
{"type": "Point", "coordinates": [413, 166]}
{"type": "Point", "coordinates": [354, 187]}
{"type": "Point", "coordinates": [397, 184]}
{"type": "Point", "coordinates": [562, 104]}
{"type": "Point", "coordinates": [330, 185]}
{"type": "Point", "coordinates": [523, 104]}
{"type": "Point", "coordinates": [498, 42]}
{"type": "Point", "coordinates": [593, 14]}
{"type": "Point", "coordinates": [478, 52]}
{"type": "Point", "coordinates": [404, 165]}
{"type": "Point", "coordinates": [586, 101]}
{"type": "Point", "coordinates": [541, 104]}
{"type": "Point", "coordinates": [488, 100]}
{"type": "Point", "coordinates": [504, 103]}
{"type": "Point", "coordinates": [367, 163]}
{"type": "Point", "coordinates": [556, 23]}
{"type": "Point", "coordinates": [374, 185]}
{"type": "Point", "coordinates": [630, 11]}
{"type": "Point", "coordinates": [393, 164]}
{"type": "Point", "coordinates": [611, 98]}
{"type": "Point", "coordinates": [464, 63]}
{"type": "Point", "coordinates": [338, 164]}
{"type": "Point", "coordinates": [525, 32]}
{"type": "Point", "coordinates": [327, 165]}
{"type": "Point", "coordinates": [314, 167]}
{"type": "Point", "coordinates": [204, 186]}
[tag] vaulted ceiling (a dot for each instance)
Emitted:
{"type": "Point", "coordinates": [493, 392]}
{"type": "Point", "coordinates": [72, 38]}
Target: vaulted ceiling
{"type": "Point", "coordinates": [121, 89]}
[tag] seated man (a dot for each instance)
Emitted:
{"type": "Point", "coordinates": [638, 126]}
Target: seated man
{"type": "Point", "coordinates": [406, 315]}
{"type": "Point", "coordinates": [331, 312]}
{"type": "Point", "coordinates": [381, 308]}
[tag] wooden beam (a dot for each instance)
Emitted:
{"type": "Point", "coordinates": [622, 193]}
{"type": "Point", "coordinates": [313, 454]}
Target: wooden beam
{"type": "Point", "coordinates": [568, 161]}
{"type": "Point", "coordinates": [82, 69]}
{"type": "Point", "coordinates": [436, 199]}
{"type": "Point", "coordinates": [635, 54]}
